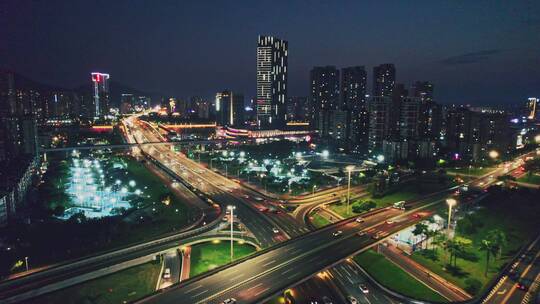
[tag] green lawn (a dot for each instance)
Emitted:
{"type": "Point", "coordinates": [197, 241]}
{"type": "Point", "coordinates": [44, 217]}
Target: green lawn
{"type": "Point", "coordinates": [516, 215]}
{"type": "Point", "coordinates": [476, 171]}
{"type": "Point", "coordinates": [341, 208]}
{"type": "Point", "coordinates": [319, 221]}
{"type": "Point", "coordinates": [121, 287]}
{"type": "Point", "coordinates": [393, 277]}
{"type": "Point", "coordinates": [72, 238]}
{"type": "Point", "coordinates": [207, 256]}
{"type": "Point", "coordinates": [532, 179]}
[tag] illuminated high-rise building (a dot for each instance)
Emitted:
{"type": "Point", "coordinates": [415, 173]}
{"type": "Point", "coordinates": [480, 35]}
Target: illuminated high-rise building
{"type": "Point", "coordinates": [384, 79]}
{"type": "Point", "coordinates": [533, 108]}
{"type": "Point", "coordinates": [229, 109]}
{"type": "Point", "coordinates": [353, 99]}
{"type": "Point", "coordinates": [324, 99]}
{"type": "Point", "coordinates": [271, 82]}
{"type": "Point", "coordinates": [101, 93]}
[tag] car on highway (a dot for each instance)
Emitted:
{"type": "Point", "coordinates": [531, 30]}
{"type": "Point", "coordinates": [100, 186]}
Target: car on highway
{"type": "Point", "coordinates": [229, 301]}
{"type": "Point", "coordinates": [245, 196]}
{"type": "Point", "coordinates": [359, 220]}
{"type": "Point", "coordinates": [167, 273]}
{"type": "Point", "coordinates": [352, 300]}
{"type": "Point", "coordinates": [521, 286]}
{"type": "Point", "coordinates": [275, 230]}
{"type": "Point", "coordinates": [337, 233]}
{"type": "Point", "coordinates": [361, 233]}
{"type": "Point", "coordinates": [259, 199]}
{"type": "Point", "coordinates": [327, 300]}
{"type": "Point", "coordinates": [417, 215]}
{"type": "Point", "coordinates": [375, 236]}
{"type": "Point", "coordinates": [390, 222]}
{"type": "Point", "coordinates": [363, 288]}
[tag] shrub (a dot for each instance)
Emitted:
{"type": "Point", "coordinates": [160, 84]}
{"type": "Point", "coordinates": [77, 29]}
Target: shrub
{"type": "Point", "coordinates": [472, 286]}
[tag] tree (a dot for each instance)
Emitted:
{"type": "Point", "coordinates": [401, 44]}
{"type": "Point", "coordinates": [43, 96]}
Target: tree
{"type": "Point", "coordinates": [498, 239]}
{"type": "Point", "coordinates": [488, 246]}
{"type": "Point", "coordinates": [420, 229]}
{"type": "Point", "coordinates": [439, 239]}
{"type": "Point", "coordinates": [430, 234]}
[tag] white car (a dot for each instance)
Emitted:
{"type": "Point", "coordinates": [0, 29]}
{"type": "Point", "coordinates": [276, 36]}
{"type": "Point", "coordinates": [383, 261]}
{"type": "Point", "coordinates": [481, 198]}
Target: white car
{"type": "Point", "coordinates": [275, 230]}
{"type": "Point", "coordinates": [363, 288]}
{"type": "Point", "coordinates": [229, 301]}
{"type": "Point", "coordinates": [352, 300]}
{"type": "Point", "coordinates": [337, 233]}
{"type": "Point", "coordinates": [359, 220]}
{"type": "Point", "coordinates": [167, 273]}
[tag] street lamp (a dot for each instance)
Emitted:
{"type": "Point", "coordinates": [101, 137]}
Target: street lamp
{"type": "Point", "coordinates": [26, 263]}
{"type": "Point", "coordinates": [493, 154]}
{"type": "Point", "coordinates": [231, 209]}
{"type": "Point", "coordinates": [451, 203]}
{"type": "Point", "coordinates": [325, 154]}
{"type": "Point", "coordinates": [380, 158]}
{"type": "Point", "coordinates": [349, 170]}
{"type": "Point", "coordinates": [314, 186]}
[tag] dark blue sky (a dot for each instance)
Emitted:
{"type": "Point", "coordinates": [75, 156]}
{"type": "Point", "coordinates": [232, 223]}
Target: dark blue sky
{"type": "Point", "coordinates": [474, 51]}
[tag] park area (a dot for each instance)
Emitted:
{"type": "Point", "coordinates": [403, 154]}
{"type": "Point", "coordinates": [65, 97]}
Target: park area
{"type": "Point", "coordinates": [281, 167]}
{"type": "Point", "coordinates": [407, 191]}
{"type": "Point", "coordinates": [210, 255]}
{"type": "Point", "coordinates": [113, 202]}
{"type": "Point", "coordinates": [394, 278]}
{"type": "Point", "coordinates": [486, 238]}
{"type": "Point", "coordinates": [121, 287]}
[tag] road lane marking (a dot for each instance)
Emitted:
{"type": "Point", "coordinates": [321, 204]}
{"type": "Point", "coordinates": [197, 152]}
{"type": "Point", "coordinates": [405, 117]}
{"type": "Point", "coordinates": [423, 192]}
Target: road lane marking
{"type": "Point", "coordinates": [200, 293]}
{"type": "Point", "coordinates": [261, 291]}
{"type": "Point", "coordinates": [195, 288]}
{"type": "Point", "coordinates": [266, 264]}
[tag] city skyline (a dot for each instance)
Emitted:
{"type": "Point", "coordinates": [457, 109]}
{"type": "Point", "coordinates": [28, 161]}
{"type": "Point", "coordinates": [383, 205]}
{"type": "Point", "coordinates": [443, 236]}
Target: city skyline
{"type": "Point", "coordinates": [456, 64]}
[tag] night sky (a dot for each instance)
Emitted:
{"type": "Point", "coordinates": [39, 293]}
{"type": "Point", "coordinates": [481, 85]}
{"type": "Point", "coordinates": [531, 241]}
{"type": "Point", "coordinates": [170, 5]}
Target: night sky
{"type": "Point", "coordinates": [476, 52]}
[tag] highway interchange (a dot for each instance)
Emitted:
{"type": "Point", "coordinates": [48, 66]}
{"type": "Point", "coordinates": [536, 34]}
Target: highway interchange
{"type": "Point", "coordinates": [287, 263]}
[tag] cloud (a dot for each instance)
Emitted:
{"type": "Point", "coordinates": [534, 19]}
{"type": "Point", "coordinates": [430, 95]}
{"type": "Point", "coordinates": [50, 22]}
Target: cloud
{"type": "Point", "coordinates": [469, 58]}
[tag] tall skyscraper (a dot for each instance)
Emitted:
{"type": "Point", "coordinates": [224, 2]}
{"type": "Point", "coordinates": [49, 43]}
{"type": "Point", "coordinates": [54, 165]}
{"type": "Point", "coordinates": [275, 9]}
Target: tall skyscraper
{"type": "Point", "coordinates": [272, 74]}
{"type": "Point", "coordinates": [230, 109]}
{"type": "Point", "coordinates": [324, 97]}
{"type": "Point", "coordinates": [101, 93]}
{"type": "Point", "coordinates": [353, 100]}
{"type": "Point", "coordinates": [533, 108]}
{"type": "Point", "coordinates": [384, 78]}
{"type": "Point", "coordinates": [423, 90]}
{"type": "Point", "coordinates": [379, 122]}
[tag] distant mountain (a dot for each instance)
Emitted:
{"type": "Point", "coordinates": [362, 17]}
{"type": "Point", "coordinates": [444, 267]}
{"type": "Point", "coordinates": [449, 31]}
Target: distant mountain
{"type": "Point", "coordinates": [24, 82]}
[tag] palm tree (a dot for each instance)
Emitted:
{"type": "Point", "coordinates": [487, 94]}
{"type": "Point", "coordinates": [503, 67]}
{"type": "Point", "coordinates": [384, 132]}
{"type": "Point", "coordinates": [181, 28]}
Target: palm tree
{"type": "Point", "coordinates": [488, 246]}
{"type": "Point", "coordinates": [439, 239]}
{"type": "Point", "coordinates": [419, 229]}
{"type": "Point", "coordinates": [430, 235]}
{"type": "Point", "coordinates": [498, 238]}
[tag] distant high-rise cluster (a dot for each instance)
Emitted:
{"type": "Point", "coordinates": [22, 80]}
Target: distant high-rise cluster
{"type": "Point", "coordinates": [18, 143]}
{"type": "Point", "coordinates": [272, 74]}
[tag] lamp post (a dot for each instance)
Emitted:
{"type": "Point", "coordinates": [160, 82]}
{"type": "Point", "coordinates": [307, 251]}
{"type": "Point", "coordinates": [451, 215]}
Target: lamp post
{"type": "Point", "coordinates": [226, 171]}
{"type": "Point", "coordinates": [231, 209]}
{"type": "Point", "coordinates": [493, 154]}
{"type": "Point", "coordinates": [451, 203]}
{"type": "Point", "coordinates": [349, 170]}
{"type": "Point", "coordinates": [26, 263]}
{"type": "Point", "coordinates": [314, 186]}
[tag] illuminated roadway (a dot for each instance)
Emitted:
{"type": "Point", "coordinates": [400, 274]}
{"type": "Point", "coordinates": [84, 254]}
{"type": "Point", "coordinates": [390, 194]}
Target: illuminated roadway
{"type": "Point", "coordinates": [220, 189]}
{"type": "Point", "coordinates": [259, 278]}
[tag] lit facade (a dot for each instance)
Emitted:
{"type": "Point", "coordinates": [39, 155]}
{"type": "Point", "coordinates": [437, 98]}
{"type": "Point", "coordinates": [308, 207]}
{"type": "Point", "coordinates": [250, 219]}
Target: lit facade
{"type": "Point", "coordinates": [100, 93]}
{"type": "Point", "coordinates": [271, 82]}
